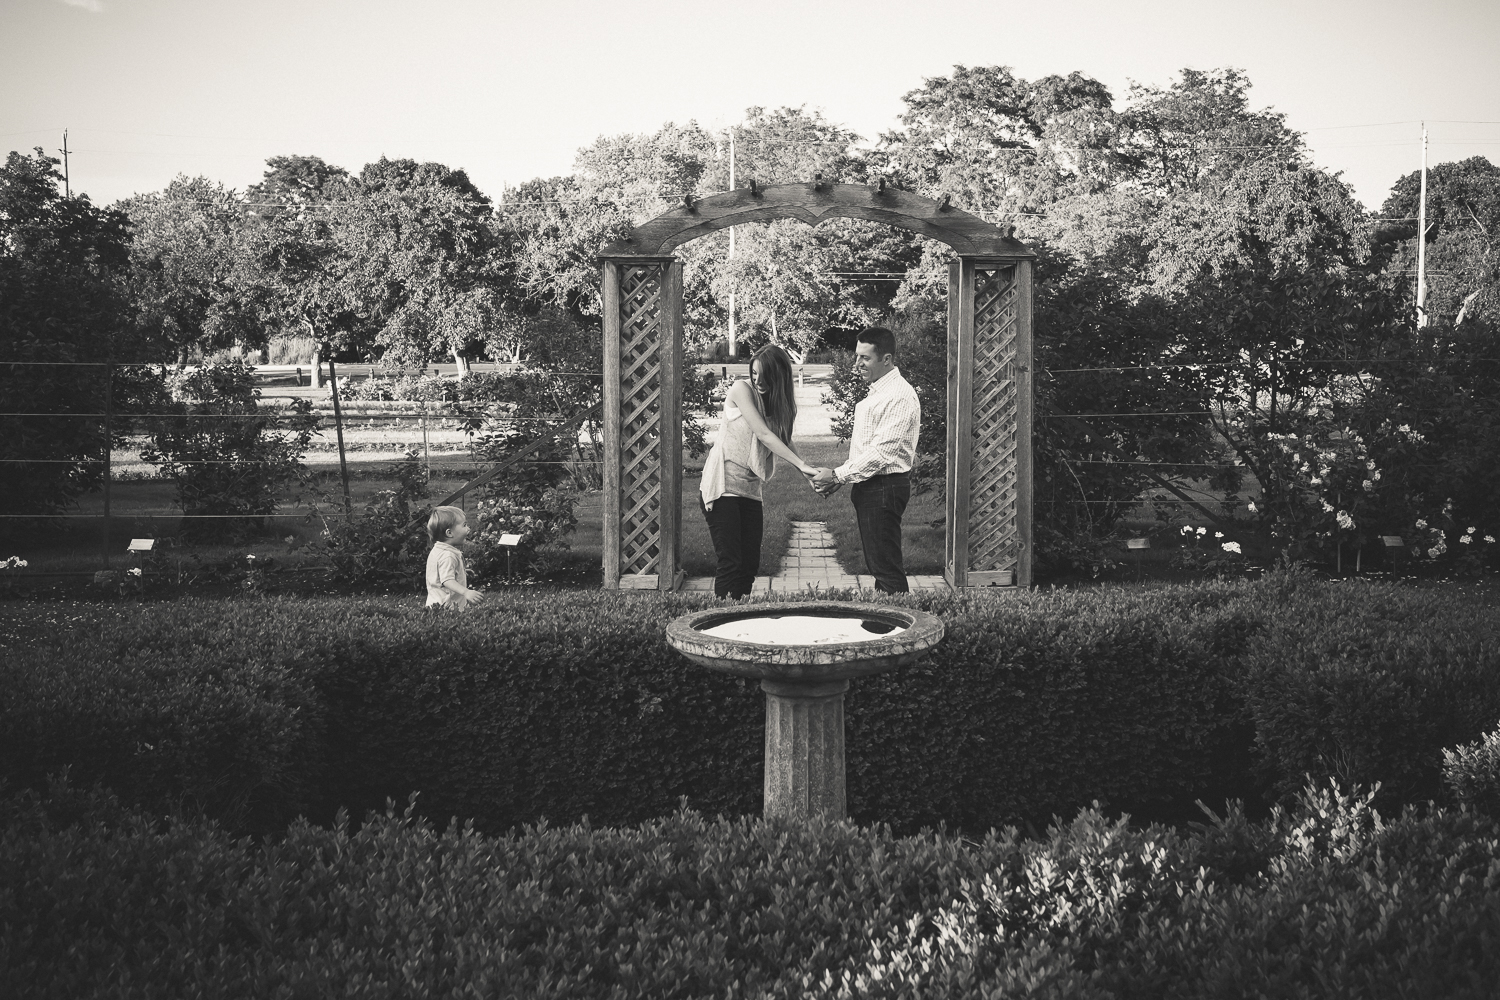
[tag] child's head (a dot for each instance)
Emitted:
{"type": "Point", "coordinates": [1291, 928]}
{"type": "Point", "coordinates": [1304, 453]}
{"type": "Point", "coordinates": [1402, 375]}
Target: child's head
{"type": "Point", "coordinates": [447, 524]}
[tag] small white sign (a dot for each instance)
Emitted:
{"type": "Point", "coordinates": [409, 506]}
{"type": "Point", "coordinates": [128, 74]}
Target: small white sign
{"type": "Point", "coordinates": [510, 539]}
{"type": "Point", "coordinates": [141, 544]}
{"type": "Point", "coordinates": [1137, 543]}
{"type": "Point", "coordinates": [1392, 541]}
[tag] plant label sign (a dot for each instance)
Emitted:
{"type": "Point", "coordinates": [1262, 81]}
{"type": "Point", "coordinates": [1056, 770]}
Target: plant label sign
{"type": "Point", "coordinates": [140, 545]}
{"type": "Point", "coordinates": [1137, 543]}
{"type": "Point", "coordinates": [509, 539]}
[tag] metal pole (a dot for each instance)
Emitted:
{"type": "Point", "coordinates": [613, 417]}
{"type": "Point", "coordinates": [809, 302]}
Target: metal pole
{"type": "Point", "coordinates": [1422, 239]}
{"type": "Point", "coordinates": [338, 425]}
{"type": "Point", "coordinates": [426, 455]}
{"type": "Point", "coordinates": [109, 385]}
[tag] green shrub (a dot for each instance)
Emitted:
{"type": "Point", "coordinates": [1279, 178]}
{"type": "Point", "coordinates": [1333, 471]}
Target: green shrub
{"type": "Point", "coordinates": [561, 704]}
{"type": "Point", "coordinates": [229, 457]}
{"type": "Point", "coordinates": [1322, 899]}
{"type": "Point", "coordinates": [1368, 684]}
{"type": "Point", "coordinates": [177, 713]}
{"type": "Point", "coordinates": [564, 704]}
{"type": "Point", "coordinates": [1472, 773]}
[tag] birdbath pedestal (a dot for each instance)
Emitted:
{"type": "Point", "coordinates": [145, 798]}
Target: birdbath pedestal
{"type": "Point", "coordinates": [804, 654]}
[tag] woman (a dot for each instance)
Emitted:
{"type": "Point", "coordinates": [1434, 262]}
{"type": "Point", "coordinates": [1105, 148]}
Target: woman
{"type": "Point", "coordinates": [755, 431]}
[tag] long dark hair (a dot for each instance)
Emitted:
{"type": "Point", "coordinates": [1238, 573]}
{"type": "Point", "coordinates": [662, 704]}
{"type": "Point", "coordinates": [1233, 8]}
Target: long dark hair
{"type": "Point", "coordinates": [780, 400]}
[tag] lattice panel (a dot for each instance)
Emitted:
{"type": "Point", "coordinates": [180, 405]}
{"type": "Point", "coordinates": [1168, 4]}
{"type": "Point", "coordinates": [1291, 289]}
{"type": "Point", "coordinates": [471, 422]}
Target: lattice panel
{"type": "Point", "coordinates": [994, 535]}
{"type": "Point", "coordinates": [640, 419]}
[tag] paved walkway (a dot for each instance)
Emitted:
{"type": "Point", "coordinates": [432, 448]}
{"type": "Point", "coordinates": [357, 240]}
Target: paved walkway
{"type": "Point", "coordinates": [810, 565]}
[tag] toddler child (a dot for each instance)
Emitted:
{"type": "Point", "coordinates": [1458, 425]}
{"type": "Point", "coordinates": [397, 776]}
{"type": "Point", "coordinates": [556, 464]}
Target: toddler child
{"type": "Point", "coordinates": [447, 580]}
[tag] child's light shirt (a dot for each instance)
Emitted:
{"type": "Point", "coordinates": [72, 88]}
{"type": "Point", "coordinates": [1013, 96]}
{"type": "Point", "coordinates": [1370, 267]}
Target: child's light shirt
{"type": "Point", "coordinates": [445, 562]}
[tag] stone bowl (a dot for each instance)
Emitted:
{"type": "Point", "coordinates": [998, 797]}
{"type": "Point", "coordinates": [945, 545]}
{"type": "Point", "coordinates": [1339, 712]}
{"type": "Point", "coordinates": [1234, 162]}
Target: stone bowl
{"type": "Point", "coordinates": [807, 663]}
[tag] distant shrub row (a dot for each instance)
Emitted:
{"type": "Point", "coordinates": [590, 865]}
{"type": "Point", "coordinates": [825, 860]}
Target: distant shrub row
{"type": "Point", "coordinates": [561, 705]}
{"type": "Point", "coordinates": [1322, 899]}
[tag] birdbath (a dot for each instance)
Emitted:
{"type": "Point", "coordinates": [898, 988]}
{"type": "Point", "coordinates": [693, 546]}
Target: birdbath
{"type": "Point", "coordinates": [804, 655]}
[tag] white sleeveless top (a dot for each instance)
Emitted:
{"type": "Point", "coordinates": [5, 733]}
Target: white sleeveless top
{"type": "Point", "coordinates": [738, 462]}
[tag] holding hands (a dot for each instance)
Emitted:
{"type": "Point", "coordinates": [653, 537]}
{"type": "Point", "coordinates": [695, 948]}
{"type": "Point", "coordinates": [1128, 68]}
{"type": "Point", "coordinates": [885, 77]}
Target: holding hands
{"type": "Point", "coordinates": [822, 480]}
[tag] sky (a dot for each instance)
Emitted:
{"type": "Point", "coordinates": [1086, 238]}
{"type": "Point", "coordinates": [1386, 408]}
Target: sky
{"type": "Point", "coordinates": [508, 90]}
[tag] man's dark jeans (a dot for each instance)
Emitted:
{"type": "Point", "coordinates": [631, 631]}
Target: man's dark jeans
{"type": "Point", "coordinates": [879, 503]}
{"type": "Point", "coordinates": [736, 525]}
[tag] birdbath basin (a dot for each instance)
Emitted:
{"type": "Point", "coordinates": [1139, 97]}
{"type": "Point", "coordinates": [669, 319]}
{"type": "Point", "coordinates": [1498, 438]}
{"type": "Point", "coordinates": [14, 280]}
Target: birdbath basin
{"type": "Point", "coordinates": [804, 654]}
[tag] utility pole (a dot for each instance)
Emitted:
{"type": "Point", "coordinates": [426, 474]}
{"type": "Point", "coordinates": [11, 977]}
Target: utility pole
{"type": "Point", "coordinates": [1422, 239]}
{"type": "Point", "coordinates": [733, 346]}
{"type": "Point", "coordinates": [67, 186]}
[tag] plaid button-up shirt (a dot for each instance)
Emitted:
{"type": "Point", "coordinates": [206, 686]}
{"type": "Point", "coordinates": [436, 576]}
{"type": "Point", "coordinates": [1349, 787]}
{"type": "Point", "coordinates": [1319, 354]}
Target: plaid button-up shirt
{"type": "Point", "coordinates": [886, 423]}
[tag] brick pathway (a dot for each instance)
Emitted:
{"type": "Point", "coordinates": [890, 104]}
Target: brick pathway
{"type": "Point", "coordinates": [810, 565]}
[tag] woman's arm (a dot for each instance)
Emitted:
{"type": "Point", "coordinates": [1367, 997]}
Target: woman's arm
{"type": "Point", "coordinates": [742, 395]}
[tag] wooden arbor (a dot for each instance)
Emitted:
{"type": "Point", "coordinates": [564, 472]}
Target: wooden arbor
{"type": "Point", "coordinates": [989, 378]}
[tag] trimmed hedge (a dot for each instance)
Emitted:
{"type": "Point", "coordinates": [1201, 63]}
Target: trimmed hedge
{"type": "Point", "coordinates": [565, 704]}
{"type": "Point", "coordinates": [1322, 899]}
{"type": "Point", "coordinates": [1368, 684]}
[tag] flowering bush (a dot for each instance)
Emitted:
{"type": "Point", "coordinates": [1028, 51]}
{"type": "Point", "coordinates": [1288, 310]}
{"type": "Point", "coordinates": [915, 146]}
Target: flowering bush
{"type": "Point", "coordinates": [1199, 553]}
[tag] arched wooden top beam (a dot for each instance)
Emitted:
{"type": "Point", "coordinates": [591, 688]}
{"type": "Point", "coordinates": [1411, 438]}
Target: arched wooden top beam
{"type": "Point", "coordinates": [967, 234]}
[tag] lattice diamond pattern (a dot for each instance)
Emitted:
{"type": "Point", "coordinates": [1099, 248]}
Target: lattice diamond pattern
{"type": "Point", "coordinates": [994, 537]}
{"type": "Point", "coordinates": [640, 419]}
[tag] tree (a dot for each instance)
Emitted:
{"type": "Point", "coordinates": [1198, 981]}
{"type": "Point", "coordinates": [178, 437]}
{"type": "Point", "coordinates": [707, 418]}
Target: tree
{"type": "Point", "coordinates": [64, 315]}
{"type": "Point", "coordinates": [1195, 134]}
{"type": "Point", "coordinates": [295, 183]}
{"type": "Point", "coordinates": [1000, 145]}
{"type": "Point", "coordinates": [419, 262]}
{"type": "Point", "coordinates": [297, 262]}
{"type": "Point", "coordinates": [1463, 218]}
{"type": "Point", "coordinates": [190, 274]}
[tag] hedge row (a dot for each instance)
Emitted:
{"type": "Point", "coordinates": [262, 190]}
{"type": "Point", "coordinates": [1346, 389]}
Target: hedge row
{"type": "Point", "coordinates": [570, 704]}
{"type": "Point", "coordinates": [1323, 899]}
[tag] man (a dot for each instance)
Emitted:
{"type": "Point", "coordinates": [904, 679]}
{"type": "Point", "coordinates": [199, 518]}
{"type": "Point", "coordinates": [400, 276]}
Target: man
{"type": "Point", "coordinates": [881, 452]}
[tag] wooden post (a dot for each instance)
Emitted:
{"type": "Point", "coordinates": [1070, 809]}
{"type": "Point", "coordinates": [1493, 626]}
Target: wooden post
{"type": "Point", "coordinates": [338, 426]}
{"type": "Point", "coordinates": [1024, 424]}
{"type": "Point", "coordinates": [961, 427]}
{"type": "Point", "coordinates": [670, 440]}
{"type": "Point", "coordinates": [951, 445]}
{"type": "Point", "coordinates": [109, 409]}
{"type": "Point", "coordinates": [610, 291]}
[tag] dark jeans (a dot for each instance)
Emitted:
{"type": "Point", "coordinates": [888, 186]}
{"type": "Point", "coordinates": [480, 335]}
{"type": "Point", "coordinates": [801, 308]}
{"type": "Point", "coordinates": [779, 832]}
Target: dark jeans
{"type": "Point", "coordinates": [879, 503]}
{"type": "Point", "coordinates": [736, 525]}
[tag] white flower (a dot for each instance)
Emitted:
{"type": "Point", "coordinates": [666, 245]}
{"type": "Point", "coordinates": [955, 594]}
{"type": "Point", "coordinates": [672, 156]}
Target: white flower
{"type": "Point", "coordinates": [1489, 539]}
{"type": "Point", "coordinates": [1327, 507]}
{"type": "Point", "coordinates": [1252, 506]}
{"type": "Point", "coordinates": [1465, 539]}
{"type": "Point", "coordinates": [1472, 529]}
{"type": "Point", "coordinates": [1404, 428]}
{"type": "Point", "coordinates": [1316, 481]}
{"type": "Point", "coordinates": [1370, 464]}
{"type": "Point", "coordinates": [135, 571]}
{"type": "Point", "coordinates": [1421, 523]}
{"type": "Point", "coordinates": [1432, 553]}
{"type": "Point", "coordinates": [1218, 534]}
{"type": "Point", "coordinates": [1202, 532]}
{"type": "Point", "coordinates": [1345, 521]}
{"type": "Point", "coordinates": [14, 562]}
{"type": "Point", "coordinates": [1368, 486]}
{"type": "Point", "coordinates": [1231, 547]}
{"type": "Point", "coordinates": [250, 557]}
{"type": "Point", "coordinates": [1187, 529]}
{"type": "Point", "coordinates": [1376, 476]}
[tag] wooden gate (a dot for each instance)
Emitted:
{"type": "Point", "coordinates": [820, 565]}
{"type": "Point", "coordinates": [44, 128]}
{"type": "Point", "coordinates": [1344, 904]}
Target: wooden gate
{"type": "Point", "coordinates": [988, 536]}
